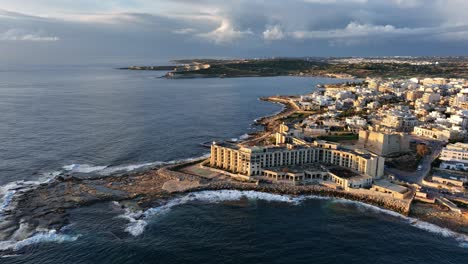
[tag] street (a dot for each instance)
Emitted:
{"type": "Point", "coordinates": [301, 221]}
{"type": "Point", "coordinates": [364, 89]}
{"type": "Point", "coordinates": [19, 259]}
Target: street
{"type": "Point", "coordinates": [418, 175]}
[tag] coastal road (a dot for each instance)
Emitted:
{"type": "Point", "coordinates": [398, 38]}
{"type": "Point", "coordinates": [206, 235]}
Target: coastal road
{"type": "Point", "coordinates": [418, 176]}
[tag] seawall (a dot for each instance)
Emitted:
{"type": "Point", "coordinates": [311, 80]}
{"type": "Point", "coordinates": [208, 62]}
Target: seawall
{"type": "Point", "coordinates": [397, 205]}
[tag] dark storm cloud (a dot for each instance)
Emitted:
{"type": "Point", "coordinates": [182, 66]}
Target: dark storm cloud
{"type": "Point", "coordinates": [52, 29]}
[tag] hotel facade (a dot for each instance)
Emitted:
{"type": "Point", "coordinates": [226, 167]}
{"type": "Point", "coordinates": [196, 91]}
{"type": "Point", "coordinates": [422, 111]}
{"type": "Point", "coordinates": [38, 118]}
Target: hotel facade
{"type": "Point", "coordinates": [254, 161]}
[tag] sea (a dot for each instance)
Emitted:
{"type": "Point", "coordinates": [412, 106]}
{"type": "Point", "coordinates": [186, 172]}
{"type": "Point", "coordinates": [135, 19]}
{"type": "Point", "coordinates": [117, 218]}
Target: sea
{"type": "Point", "coordinates": [98, 120]}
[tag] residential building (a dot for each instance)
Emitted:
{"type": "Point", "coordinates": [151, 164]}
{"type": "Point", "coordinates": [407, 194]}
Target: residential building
{"type": "Point", "coordinates": [414, 95]}
{"type": "Point", "coordinates": [440, 132]}
{"type": "Point", "coordinates": [400, 121]}
{"type": "Point", "coordinates": [429, 98]}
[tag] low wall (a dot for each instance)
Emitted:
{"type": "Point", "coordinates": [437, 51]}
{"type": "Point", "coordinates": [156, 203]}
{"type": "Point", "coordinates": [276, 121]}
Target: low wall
{"type": "Point", "coordinates": [238, 177]}
{"type": "Point", "coordinates": [400, 206]}
{"type": "Point", "coordinates": [397, 205]}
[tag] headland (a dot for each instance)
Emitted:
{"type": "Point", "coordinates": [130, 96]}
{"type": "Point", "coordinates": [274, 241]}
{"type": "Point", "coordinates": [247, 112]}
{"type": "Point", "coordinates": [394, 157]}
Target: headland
{"type": "Point", "coordinates": [291, 156]}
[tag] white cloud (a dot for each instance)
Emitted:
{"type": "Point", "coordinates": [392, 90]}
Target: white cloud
{"type": "Point", "coordinates": [23, 35]}
{"type": "Point", "coordinates": [336, 1]}
{"type": "Point", "coordinates": [273, 33]}
{"type": "Point", "coordinates": [242, 27]}
{"type": "Point", "coordinates": [225, 33]}
{"type": "Point", "coordinates": [183, 31]}
{"type": "Point", "coordinates": [366, 32]}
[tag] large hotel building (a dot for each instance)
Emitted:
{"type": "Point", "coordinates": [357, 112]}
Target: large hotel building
{"type": "Point", "coordinates": [257, 160]}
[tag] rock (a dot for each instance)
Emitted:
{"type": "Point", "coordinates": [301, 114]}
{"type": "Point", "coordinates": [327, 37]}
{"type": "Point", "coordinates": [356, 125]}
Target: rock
{"type": "Point", "coordinates": [177, 185]}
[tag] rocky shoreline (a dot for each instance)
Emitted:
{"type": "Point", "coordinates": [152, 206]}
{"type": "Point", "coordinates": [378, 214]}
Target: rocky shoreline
{"type": "Point", "coordinates": [46, 206]}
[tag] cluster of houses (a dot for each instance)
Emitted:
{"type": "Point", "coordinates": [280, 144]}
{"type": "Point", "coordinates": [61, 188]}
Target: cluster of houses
{"type": "Point", "coordinates": [383, 115]}
{"type": "Point", "coordinates": [435, 108]}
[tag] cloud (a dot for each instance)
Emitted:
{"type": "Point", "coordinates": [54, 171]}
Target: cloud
{"type": "Point", "coordinates": [183, 31]}
{"type": "Point", "coordinates": [273, 33]}
{"type": "Point", "coordinates": [336, 1]}
{"type": "Point", "coordinates": [241, 28]}
{"type": "Point", "coordinates": [225, 33]}
{"type": "Point", "coordinates": [367, 32]}
{"type": "Point", "coordinates": [352, 30]}
{"type": "Point", "coordinates": [23, 35]}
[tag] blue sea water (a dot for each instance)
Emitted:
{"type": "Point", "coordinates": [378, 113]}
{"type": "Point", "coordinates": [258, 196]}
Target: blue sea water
{"type": "Point", "coordinates": [100, 120]}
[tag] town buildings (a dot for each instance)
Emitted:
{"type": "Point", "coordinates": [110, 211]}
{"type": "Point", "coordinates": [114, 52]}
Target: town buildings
{"type": "Point", "coordinates": [455, 157]}
{"type": "Point", "coordinates": [439, 132]}
{"type": "Point", "coordinates": [399, 120]}
{"type": "Point", "coordinates": [384, 144]}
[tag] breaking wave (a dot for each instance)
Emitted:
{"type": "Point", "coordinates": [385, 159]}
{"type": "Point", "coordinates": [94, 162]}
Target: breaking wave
{"type": "Point", "coordinates": [243, 137]}
{"type": "Point", "coordinates": [432, 228]}
{"type": "Point", "coordinates": [6, 200]}
{"type": "Point", "coordinates": [83, 168]}
{"type": "Point", "coordinates": [109, 170]}
{"type": "Point", "coordinates": [138, 220]}
{"type": "Point", "coordinates": [9, 190]}
{"type": "Point", "coordinates": [40, 237]}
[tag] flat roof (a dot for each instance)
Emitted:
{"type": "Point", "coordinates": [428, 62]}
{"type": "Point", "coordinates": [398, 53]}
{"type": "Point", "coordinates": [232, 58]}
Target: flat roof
{"type": "Point", "coordinates": [391, 186]}
{"type": "Point", "coordinates": [450, 175]}
{"type": "Point", "coordinates": [343, 172]}
{"type": "Point", "coordinates": [227, 145]}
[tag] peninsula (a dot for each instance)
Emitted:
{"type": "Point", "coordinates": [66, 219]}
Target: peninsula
{"type": "Point", "coordinates": [395, 144]}
{"type": "Point", "coordinates": [383, 67]}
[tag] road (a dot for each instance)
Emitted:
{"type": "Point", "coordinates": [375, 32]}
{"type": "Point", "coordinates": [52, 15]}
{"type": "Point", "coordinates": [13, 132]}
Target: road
{"type": "Point", "coordinates": [418, 176]}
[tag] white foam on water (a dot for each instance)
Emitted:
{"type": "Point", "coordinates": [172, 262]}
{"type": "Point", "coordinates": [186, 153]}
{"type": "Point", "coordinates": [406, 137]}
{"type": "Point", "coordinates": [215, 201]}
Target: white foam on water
{"type": "Point", "coordinates": [6, 200]}
{"type": "Point", "coordinates": [9, 190]}
{"type": "Point", "coordinates": [83, 168]}
{"type": "Point", "coordinates": [138, 219]}
{"type": "Point", "coordinates": [109, 170]}
{"type": "Point", "coordinates": [10, 256]}
{"type": "Point", "coordinates": [428, 227]}
{"type": "Point", "coordinates": [127, 168]}
{"type": "Point", "coordinates": [244, 136]}
{"type": "Point", "coordinates": [40, 237]}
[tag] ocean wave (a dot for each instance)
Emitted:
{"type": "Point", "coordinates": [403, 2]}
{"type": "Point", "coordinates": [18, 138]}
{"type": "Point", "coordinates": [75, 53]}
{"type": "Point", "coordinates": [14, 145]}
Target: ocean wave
{"type": "Point", "coordinates": [83, 168]}
{"type": "Point", "coordinates": [9, 190]}
{"type": "Point", "coordinates": [242, 137]}
{"type": "Point", "coordinates": [6, 200]}
{"type": "Point", "coordinates": [138, 220]}
{"type": "Point", "coordinates": [422, 225]}
{"type": "Point", "coordinates": [39, 237]}
{"type": "Point", "coordinates": [106, 170]}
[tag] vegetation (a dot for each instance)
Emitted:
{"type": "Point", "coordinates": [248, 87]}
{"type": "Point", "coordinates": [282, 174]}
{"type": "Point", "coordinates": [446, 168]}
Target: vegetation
{"type": "Point", "coordinates": [422, 150]}
{"type": "Point", "coordinates": [321, 67]}
{"type": "Point", "coordinates": [295, 117]}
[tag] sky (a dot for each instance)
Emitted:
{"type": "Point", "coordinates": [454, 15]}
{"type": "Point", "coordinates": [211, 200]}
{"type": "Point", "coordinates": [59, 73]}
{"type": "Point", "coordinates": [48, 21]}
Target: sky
{"type": "Point", "coordinates": [65, 31]}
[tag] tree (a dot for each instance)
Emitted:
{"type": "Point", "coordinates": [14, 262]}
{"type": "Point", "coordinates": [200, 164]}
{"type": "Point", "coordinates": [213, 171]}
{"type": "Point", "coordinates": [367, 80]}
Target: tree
{"type": "Point", "coordinates": [422, 150]}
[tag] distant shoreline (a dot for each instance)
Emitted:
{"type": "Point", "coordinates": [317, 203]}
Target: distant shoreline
{"type": "Point", "coordinates": [345, 68]}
